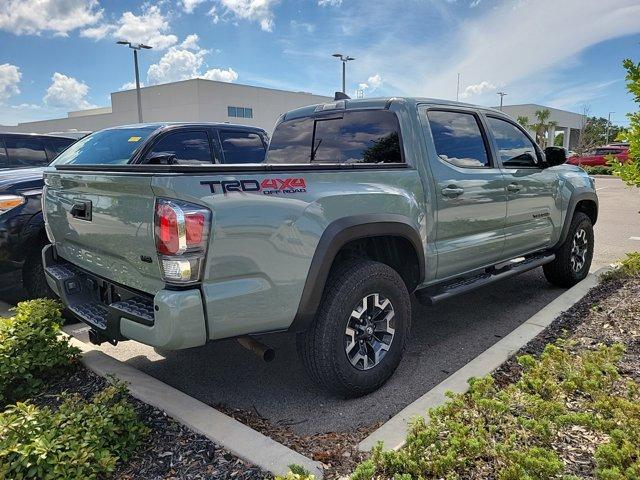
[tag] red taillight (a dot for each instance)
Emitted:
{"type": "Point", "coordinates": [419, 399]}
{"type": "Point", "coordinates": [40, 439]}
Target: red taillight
{"type": "Point", "coordinates": [167, 236]}
{"type": "Point", "coordinates": [181, 231]}
{"type": "Point", "coordinates": [194, 223]}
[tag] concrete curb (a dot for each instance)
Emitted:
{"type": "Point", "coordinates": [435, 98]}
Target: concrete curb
{"type": "Point", "coordinates": [393, 433]}
{"type": "Point", "coordinates": [236, 437]}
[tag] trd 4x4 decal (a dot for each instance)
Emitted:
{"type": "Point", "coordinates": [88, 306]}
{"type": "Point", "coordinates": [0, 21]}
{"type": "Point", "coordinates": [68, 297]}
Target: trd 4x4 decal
{"type": "Point", "coordinates": [268, 186]}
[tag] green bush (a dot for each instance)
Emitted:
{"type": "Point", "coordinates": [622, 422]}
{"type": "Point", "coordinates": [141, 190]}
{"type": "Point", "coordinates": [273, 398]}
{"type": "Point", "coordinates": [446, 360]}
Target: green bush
{"type": "Point", "coordinates": [31, 349]}
{"type": "Point", "coordinates": [79, 440]}
{"type": "Point", "coordinates": [598, 170]}
{"type": "Point", "coordinates": [627, 268]}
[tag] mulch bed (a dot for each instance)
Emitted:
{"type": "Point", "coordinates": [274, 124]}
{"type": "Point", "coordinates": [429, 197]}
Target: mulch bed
{"type": "Point", "coordinates": [171, 451]}
{"type": "Point", "coordinates": [337, 451]}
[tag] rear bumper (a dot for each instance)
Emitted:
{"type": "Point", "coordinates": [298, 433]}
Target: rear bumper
{"type": "Point", "coordinates": [170, 319]}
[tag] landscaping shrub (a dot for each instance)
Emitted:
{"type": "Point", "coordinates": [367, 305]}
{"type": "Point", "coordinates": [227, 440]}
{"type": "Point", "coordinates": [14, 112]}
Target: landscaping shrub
{"type": "Point", "coordinates": [31, 349]}
{"type": "Point", "coordinates": [517, 432]}
{"type": "Point", "coordinates": [79, 440]}
{"type": "Point", "coordinates": [629, 267]}
{"type": "Point", "coordinates": [598, 170]}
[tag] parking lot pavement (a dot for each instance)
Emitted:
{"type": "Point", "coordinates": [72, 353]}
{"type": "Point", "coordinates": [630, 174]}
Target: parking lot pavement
{"type": "Point", "coordinates": [444, 338]}
{"type": "Point", "coordinates": [618, 228]}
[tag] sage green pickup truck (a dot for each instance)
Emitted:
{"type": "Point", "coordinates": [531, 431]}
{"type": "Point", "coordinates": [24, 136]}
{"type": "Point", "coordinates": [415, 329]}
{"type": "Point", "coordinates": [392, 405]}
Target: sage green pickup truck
{"type": "Point", "coordinates": [357, 205]}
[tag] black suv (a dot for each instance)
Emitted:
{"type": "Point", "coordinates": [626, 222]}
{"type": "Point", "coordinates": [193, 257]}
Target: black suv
{"type": "Point", "coordinates": [22, 233]}
{"type": "Point", "coordinates": [23, 150]}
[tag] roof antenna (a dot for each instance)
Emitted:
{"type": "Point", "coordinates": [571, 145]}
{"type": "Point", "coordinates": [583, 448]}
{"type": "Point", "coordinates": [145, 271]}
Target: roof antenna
{"type": "Point", "coordinates": [341, 96]}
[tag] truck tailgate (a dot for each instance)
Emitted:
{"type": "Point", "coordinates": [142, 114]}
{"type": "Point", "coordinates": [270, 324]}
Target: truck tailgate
{"type": "Point", "coordinates": [103, 222]}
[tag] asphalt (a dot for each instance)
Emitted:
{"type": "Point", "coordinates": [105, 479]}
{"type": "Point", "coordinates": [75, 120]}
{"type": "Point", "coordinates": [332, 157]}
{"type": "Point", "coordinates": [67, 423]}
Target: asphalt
{"type": "Point", "coordinates": [443, 339]}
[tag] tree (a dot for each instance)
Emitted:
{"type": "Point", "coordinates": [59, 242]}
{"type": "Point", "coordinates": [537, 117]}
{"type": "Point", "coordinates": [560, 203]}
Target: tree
{"type": "Point", "coordinates": [559, 140]}
{"type": "Point", "coordinates": [594, 133]}
{"type": "Point", "coordinates": [541, 127]}
{"type": "Point", "coordinates": [523, 120]}
{"type": "Point", "coordinates": [630, 171]}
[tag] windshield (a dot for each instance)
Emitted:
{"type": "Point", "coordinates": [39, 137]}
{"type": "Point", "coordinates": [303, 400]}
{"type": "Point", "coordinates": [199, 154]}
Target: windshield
{"type": "Point", "coordinates": [106, 147]}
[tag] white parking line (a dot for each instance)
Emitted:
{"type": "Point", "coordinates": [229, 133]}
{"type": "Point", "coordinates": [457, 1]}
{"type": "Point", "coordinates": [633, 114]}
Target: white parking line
{"type": "Point", "coordinates": [601, 188]}
{"type": "Point", "coordinates": [635, 238]}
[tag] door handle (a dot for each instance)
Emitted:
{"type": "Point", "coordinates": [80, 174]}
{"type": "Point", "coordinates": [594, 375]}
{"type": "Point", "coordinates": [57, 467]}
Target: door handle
{"type": "Point", "coordinates": [452, 191]}
{"type": "Point", "coordinates": [514, 187]}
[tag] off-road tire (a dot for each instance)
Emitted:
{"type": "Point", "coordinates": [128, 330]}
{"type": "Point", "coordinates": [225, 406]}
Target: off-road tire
{"type": "Point", "coordinates": [322, 346]}
{"type": "Point", "coordinates": [33, 278]}
{"type": "Point", "coordinates": [560, 272]}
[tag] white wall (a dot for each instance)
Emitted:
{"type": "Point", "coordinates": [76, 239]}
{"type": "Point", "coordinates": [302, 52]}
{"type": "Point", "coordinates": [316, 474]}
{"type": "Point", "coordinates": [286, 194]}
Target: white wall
{"type": "Point", "coordinates": [194, 100]}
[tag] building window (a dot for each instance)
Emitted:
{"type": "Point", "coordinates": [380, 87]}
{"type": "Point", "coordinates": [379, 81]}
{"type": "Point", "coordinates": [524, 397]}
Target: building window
{"type": "Point", "coordinates": [240, 112]}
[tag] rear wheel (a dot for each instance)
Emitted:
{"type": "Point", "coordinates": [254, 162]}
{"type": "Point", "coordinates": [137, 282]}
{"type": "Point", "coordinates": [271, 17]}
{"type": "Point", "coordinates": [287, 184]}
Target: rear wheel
{"type": "Point", "coordinates": [359, 334]}
{"type": "Point", "coordinates": [573, 258]}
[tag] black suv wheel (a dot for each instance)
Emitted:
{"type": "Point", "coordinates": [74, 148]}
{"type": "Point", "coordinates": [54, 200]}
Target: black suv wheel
{"type": "Point", "coordinates": [33, 275]}
{"type": "Point", "coordinates": [360, 330]}
{"type": "Point", "coordinates": [573, 258]}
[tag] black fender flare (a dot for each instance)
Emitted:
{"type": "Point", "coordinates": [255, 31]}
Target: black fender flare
{"type": "Point", "coordinates": [337, 234]}
{"type": "Point", "coordinates": [576, 198]}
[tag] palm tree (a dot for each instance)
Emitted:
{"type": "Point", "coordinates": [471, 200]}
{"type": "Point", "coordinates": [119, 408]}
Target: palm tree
{"type": "Point", "coordinates": [542, 126]}
{"type": "Point", "coordinates": [523, 120]}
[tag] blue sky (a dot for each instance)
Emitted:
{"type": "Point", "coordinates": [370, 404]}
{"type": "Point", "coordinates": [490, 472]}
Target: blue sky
{"type": "Point", "coordinates": [60, 55]}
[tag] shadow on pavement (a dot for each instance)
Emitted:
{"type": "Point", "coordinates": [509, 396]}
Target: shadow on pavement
{"type": "Point", "coordinates": [443, 339]}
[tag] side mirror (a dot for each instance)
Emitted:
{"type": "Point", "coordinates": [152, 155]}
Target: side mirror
{"type": "Point", "coordinates": [161, 158]}
{"type": "Point", "coordinates": [555, 156]}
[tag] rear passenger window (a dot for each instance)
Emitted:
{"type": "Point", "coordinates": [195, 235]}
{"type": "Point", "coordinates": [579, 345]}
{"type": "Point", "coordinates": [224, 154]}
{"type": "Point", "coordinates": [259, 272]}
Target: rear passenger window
{"type": "Point", "coordinates": [58, 145]}
{"type": "Point", "coordinates": [515, 148]}
{"type": "Point", "coordinates": [25, 152]}
{"type": "Point", "coordinates": [242, 147]}
{"type": "Point", "coordinates": [458, 138]}
{"type": "Point", "coordinates": [349, 137]}
{"type": "Point", "coordinates": [188, 147]}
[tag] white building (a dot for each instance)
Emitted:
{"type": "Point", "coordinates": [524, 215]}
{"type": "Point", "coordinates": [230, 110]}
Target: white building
{"type": "Point", "coordinates": [568, 122]}
{"type": "Point", "coordinates": [195, 100]}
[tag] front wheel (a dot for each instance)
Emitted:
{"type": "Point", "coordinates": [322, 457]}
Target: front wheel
{"type": "Point", "coordinates": [573, 258]}
{"type": "Point", "coordinates": [360, 331]}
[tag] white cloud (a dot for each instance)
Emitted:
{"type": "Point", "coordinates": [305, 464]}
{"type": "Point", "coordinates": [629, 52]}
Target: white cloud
{"type": "Point", "coordinates": [189, 5]}
{"type": "Point", "coordinates": [502, 45]}
{"type": "Point", "coordinates": [329, 3]}
{"type": "Point", "coordinates": [98, 32]}
{"type": "Point", "coordinates": [151, 28]}
{"type": "Point", "coordinates": [130, 86]}
{"type": "Point", "coordinates": [33, 17]}
{"type": "Point", "coordinates": [9, 79]}
{"type": "Point", "coordinates": [373, 83]}
{"type": "Point", "coordinates": [252, 10]}
{"type": "Point", "coordinates": [67, 92]}
{"type": "Point", "coordinates": [191, 42]}
{"type": "Point", "coordinates": [177, 64]}
{"type": "Point", "coordinates": [477, 89]}
{"type": "Point", "coordinates": [221, 75]}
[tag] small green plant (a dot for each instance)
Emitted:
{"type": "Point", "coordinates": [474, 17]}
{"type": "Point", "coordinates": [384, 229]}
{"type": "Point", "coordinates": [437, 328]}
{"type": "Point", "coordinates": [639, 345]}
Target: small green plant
{"type": "Point", "coordinates": [627, 268]}
{"type": "Point", "coordinates": [79, 440]}
{"type": "Point", "coordinates": [31, 349]}
{"type": "Point", "coordinates": [296, 472]}
{"type": "Point", "coordinates": [598, 170]}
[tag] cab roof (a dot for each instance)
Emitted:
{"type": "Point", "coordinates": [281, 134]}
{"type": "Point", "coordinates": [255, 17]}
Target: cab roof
{"type": "Point", "coordinates": [162, 125]}
{"type": "Point", "coordinates": [376, 103]}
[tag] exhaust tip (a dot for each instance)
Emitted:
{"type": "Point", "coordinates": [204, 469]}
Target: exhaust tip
{"type": "Point", "coordinates": [265, 353]}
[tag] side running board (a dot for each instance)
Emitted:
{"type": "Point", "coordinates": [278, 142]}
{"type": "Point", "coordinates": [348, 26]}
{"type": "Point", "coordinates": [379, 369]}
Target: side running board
{"type": "Point", "coordinates": [437, 293]}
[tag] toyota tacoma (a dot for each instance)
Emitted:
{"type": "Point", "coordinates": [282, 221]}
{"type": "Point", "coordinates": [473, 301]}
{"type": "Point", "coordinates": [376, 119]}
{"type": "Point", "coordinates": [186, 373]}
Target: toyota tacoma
{"type": "Point", "coordinates": [358, 205]}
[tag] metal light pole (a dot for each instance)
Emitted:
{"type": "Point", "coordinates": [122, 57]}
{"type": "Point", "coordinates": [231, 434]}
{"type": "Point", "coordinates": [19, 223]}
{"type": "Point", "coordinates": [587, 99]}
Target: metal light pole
{"type": "Point", "coordinates": [344, 59]}
{"type": "Point", "coordinates": [608, 127]}
{"type": "Point", "coordinates": [135, 47]}
{"type": "Point", "coordinates": [502, 94]}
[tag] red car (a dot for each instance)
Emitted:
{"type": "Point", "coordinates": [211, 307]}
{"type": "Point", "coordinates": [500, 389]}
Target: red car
{"type": "Point", "coordinates": [597, 155]}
